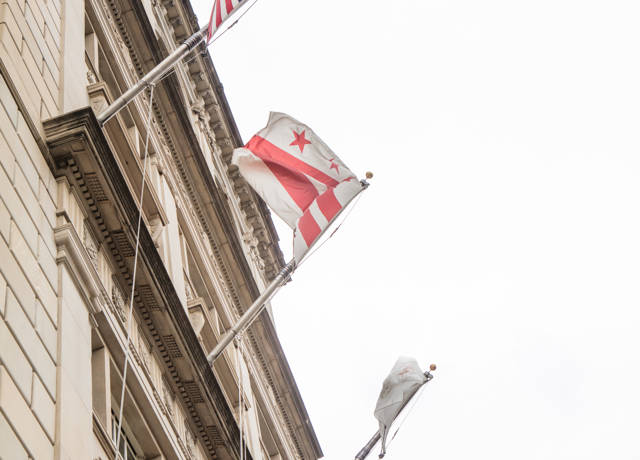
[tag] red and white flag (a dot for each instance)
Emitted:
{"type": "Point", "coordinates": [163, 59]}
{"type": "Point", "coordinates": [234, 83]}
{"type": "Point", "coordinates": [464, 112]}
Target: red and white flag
{"type": "Point", "coordinates": [298, 176]}
{"type": "Point", "coordinates": [221, 10]}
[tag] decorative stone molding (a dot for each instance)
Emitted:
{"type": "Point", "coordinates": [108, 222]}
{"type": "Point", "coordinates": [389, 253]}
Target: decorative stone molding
{"type": "Point", "coordinates": [167, 397]}
{"type": "Point", "coordinates": [78, 146]}
{"type": "Point", "coordinates": [119, 301]}
{"type": "Point", "coordinates": [251, 211]}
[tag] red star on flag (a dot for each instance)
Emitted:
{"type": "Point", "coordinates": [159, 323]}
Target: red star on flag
{"type": "Point", "coordinates": [300, 140]}
{"type": "Point", "coordinates": [334, 165]}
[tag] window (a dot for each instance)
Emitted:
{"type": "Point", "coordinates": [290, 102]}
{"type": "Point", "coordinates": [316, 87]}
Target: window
{"type": "Point", "coordinates": [125, 448]}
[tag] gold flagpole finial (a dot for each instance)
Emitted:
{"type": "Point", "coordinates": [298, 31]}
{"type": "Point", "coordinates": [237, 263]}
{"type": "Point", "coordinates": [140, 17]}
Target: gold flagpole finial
{"type": "Point", "coordinates": [368, 175]}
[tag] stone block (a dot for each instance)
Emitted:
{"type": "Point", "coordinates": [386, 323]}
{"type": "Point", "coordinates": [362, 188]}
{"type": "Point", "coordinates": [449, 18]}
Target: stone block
{"type": "Point", "coordinates": [15, 278]}
{"type": "Point", "coordinates": [3, 294]}
{"type": "Point", "coordinates": [33, 150]}
{"type": "Point", "coordinates": [5, 221]}
{"type": "Point", "coordinates": [10, 134]}
{"type": "Point", "coordinates": [55, 7]}
{"type": "Point", "coordinates": [33, 347]}
{"type": "Point", "coordinates": [52, 313]}
{"type": "Point", "coordinates": [47, 204]}
{"type": "Point", "coordinates": [50, 81]}
{"type": "Point", "coordinates": [33, 60]}
{"type": "Point", "coordinates": [47, 263]}
{"type": "Point", "coordinates": [29, 308]}
{"type": "Point", "coordinates": [8, 102]}
{"type": "Point", "coordinates": [51, 186]}
{"type": "Point", "coordinates": [46, 330]}
{"type": "Point", "coordinates": [10, 56]}
{"type": "Point", "coordinates": [7, 160]}
{"type": "Point", "coordinates": [18, 4]}
{"type": "Point", "coordinates": [15, 361]}
{"type": "Point", "coordinates": [51, 21]}
{"type": "Point", "coordinates": [35, 71]}
{"type": "Point", "coordinates": [8, 19]}
{"type": "Point", "coordinates": [48, 239]}
{"type": "Point", "coordinates": [43, 224]}
{"type": "Point", "coordinates": [16, 11]}
{"type": "Point", "coordinates": [42, 287]}
{"type": "Point", "coordinates": [24, 254]}
{"type": "Point", "coordinates": [52, 44]}
{"type": "Point", "coordinates": [26, 426]}
{"type": "Point", "coordinates": [32, 13]}
{"type": "Point", "coordinates": [46, 294]}
{"type": "Point", "coordinates": [16, 209]}
{"type": "Point", "coordinates": [11, 447]}
{"type": "Point", "coordinates": [35, 40]}
{"type": "Point", "coordinates": [44, 408]}
{"type": "Point", "coordinates": [25, 188]}
{"type": "Point", "coordinates": [51, 60]}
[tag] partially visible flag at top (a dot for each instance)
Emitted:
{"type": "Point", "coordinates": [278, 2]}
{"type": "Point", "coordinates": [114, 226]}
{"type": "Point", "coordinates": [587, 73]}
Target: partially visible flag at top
{"type": "Point", "coordinates": [221, 10]}
{"type": "Point", "coordinates": [398, 388]}
{"type": "Point", "coordinates": [298, 176]}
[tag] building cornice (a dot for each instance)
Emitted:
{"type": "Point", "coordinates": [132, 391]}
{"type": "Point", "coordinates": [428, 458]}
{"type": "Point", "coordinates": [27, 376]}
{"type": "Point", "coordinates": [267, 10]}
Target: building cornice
{"type": "Point", "coordinates": [227, 135]}
{"type": "Point", "coordinates": [79, 147]}
{"type": "Point", "coordinates": [211, 205]}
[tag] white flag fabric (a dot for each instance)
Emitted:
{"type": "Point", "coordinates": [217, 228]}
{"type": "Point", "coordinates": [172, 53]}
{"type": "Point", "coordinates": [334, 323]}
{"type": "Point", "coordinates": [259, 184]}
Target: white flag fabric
{"type": "Point", "coordinates": [401, 384]}
{"type": "Point", "coordinates": [298, 176]}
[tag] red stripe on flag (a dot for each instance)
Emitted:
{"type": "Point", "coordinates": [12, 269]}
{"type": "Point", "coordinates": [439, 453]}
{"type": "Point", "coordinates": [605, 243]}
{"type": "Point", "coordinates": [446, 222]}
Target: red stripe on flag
{"type": "Point", "coordinates": [329, 204]}
{"type": "Point", "coordinates": [299, 188]}
{"type": "Point", "coordinates": [309, 228]}
{"type": "Point", "coordinates": [210, 29]}
{"type": "Point", "coordinates": [218, 8]}
{"type": "Point", "coordinates": [229, 6]}
{"type": "Point", "coordinates": [272, 153]}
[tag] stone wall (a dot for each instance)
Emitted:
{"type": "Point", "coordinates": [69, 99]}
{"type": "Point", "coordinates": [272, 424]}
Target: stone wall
{"type": "Point", "coordinates": [54, 323]}
{"type": "Point", "coordinates": [28, 280]}
{"type": "Point", "coordinates": [30, 34]}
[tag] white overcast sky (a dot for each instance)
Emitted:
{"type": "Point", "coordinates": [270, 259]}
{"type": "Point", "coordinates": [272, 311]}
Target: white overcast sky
{"type": "Point", "coordinates": [500, 237]}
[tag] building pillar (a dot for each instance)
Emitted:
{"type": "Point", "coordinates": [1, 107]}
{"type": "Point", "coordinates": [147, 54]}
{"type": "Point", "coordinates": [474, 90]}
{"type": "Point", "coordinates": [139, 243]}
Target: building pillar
{"type": "Point", "coordinates": [74, 433]}
{"type": "Point", "coordinates": [73, 94]}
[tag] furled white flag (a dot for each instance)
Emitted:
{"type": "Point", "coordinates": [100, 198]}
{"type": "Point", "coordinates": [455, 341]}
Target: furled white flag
{"type": "Point", "coordinates": [398, 388]}
{"type": "Point", "coordinates": [221, 10]}
{"type": "Point", "coordinates": [298, 176]}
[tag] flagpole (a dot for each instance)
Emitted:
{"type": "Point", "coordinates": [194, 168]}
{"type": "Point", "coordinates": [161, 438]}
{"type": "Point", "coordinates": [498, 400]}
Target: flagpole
{"type": "Point", "coordinates": [258, 305]}
{"type": "Point", "coordinates": [252, 313]}
{"type": "Point", "coordinates": [368, 447]}
{"type": "Point", "coordinates": [154, 75]}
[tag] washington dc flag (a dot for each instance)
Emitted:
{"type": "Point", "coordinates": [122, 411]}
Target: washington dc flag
{"type": "Point", "coordinates": [298, 176]}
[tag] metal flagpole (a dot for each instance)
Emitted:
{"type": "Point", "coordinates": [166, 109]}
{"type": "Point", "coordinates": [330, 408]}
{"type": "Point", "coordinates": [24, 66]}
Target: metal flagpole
{"type": "Point", "coordinates": [254, 310]}
{"type": "Point", "coordinates": [154, 75]}
{"type": "Point", "coordinates": [260, 303]}
{"type": "Point", "coordinates": [366, 450]}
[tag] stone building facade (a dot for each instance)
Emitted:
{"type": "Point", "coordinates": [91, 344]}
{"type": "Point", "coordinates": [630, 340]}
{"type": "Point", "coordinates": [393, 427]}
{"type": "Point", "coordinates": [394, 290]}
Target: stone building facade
{"type": "Point", "coordinates": [69, 207]}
